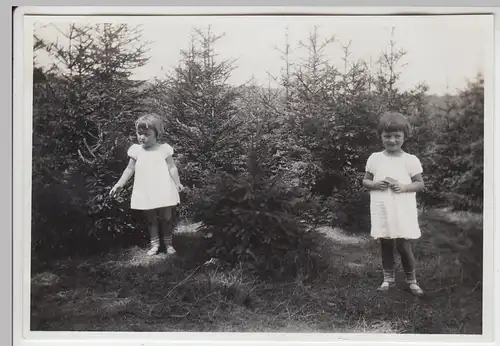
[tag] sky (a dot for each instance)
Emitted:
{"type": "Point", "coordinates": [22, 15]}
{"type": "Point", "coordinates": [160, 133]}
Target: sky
{"type": "Point", "coordinates": [442, 51]}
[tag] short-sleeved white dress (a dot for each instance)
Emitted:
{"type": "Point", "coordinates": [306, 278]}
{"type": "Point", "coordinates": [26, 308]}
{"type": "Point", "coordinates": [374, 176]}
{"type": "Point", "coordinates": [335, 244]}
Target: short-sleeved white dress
{"type": "Point", "coordinates": [153, 185]}
{"type": "Point", "coordinates": [394, 215]}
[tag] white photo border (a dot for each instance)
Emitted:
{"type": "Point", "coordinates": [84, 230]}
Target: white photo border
{"type": "Point", "coordinates": [22, 121]}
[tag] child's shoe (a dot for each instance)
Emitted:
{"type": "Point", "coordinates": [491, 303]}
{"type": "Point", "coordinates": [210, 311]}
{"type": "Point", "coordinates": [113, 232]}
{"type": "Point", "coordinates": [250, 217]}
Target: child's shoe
{"type": "Point", "coordinates": [389, 281]}
{"type": "Point", "coordinates": [416, 290]}
{"type": "Point", "coordinates": [412, 284]}
{"type": "Point", "coordinates": [166, 244]}
{"type": "Point", "coordinates": [386, 285]}
{"type": "Point", "coordinates": [170, 250]}
{"type": "Point", "coordinates": [155, 248]}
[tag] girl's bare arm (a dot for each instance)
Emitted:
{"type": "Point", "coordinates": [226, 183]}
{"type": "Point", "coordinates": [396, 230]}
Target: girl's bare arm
{"type": "Point", "coordinates": [374, 185]}
{"type": "Point", "coordinates": [127, 174]}
{"type": "Point", "coordinates": [368, 180]}
{"type": "Point", "coordinates": [173, 171]}
{"type": "Point", "coordinates": [416, 185]}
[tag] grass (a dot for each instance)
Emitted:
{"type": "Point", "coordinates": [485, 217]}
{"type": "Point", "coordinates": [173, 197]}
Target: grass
{"type": "Point", "coordinates": [129, 291]}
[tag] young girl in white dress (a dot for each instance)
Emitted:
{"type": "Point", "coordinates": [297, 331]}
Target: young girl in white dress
{"type": "Point", "coordinates": [156, 183]}
{"type": "Point", "coordinates": [393, 178]}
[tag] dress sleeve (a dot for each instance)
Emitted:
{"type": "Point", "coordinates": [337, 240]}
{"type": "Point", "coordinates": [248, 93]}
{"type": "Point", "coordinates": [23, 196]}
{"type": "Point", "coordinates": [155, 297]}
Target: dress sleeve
{"type": "Point", "coordinates": [167, 150]}
{"type": "Point", "coordinates": [415, 166]}
{"type": "Point", "coordinates": [133, 151]}
{"type": "Point", "coordinates": [370, 164]}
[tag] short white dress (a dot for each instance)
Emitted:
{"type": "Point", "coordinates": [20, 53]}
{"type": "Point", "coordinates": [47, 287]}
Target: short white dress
{"type": "Point", "coordinates": [394, 215]}
{"type": "Point", "coordinates": [153, 185]}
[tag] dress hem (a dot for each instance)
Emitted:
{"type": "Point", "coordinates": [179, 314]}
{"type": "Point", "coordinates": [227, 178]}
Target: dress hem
{"type": "Point", "coordinates": [401, 237]}
{"type": "Point", "coordinates": [155, 207]}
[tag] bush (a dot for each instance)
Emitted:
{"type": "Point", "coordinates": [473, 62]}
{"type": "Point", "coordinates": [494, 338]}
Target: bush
{"type": "Point", "coordinates": [256, 221]}
{"type": "Point", "coordinates": [83, 114]}
{"type": "Point", "coordinates": [457, 154]}
{"type": "Point", "coordinates": [353, 211]}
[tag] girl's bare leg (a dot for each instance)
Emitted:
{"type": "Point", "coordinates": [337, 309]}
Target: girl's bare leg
{"type": "Point", "coordinates": [166, 228]}
{"type": "Point", "coordinates": [154, 232]}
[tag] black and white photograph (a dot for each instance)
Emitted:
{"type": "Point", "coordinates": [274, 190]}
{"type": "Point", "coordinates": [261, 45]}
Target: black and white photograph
{"type": "Point", "coordinates": [258, 174]}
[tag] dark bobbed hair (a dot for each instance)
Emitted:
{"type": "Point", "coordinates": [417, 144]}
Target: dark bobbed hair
{"type": "Point", "coordinates": [394, 121]}
{"type": "Point", "coordinates": [151, 121]}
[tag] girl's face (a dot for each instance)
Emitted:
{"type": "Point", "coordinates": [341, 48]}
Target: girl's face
{"type": "Point", "coordinates": [146, 137]}
{"type": "Point", "coordinates": [393, 140]}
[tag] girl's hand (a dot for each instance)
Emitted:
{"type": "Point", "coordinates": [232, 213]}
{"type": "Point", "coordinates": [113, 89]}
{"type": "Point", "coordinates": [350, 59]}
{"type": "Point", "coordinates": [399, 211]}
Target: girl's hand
{"type": "Point", "coordinates": [380, 185]}
{"type": "Point", "coordinates": [115, 190]}
{"type": "Point", "coordinates": [398, 187]}
{"type": "Point", "coordinates": [180, 188]}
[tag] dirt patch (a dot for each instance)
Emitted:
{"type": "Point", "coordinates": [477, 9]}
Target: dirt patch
{"type": "Point", "coordinates": [341, 237]}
